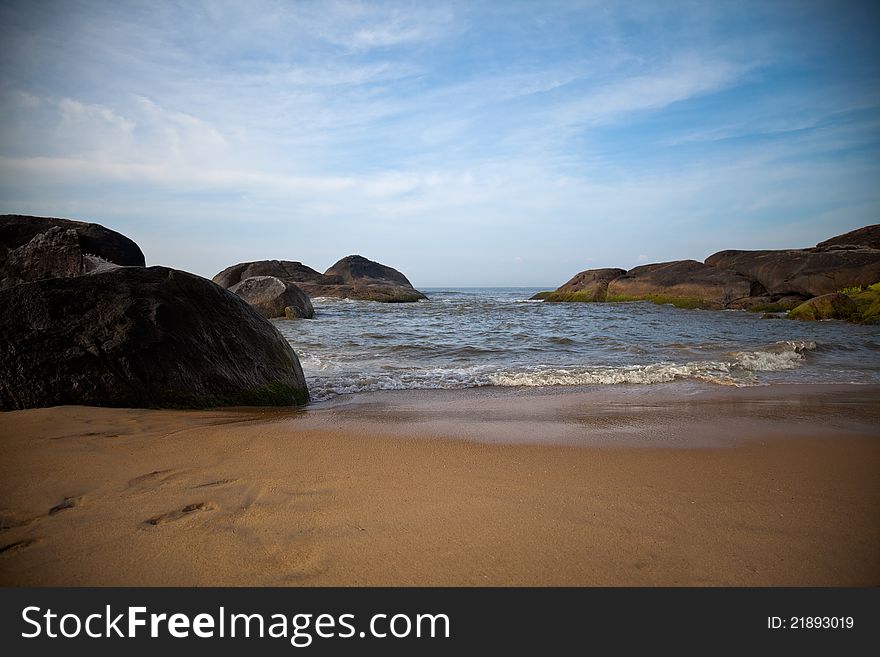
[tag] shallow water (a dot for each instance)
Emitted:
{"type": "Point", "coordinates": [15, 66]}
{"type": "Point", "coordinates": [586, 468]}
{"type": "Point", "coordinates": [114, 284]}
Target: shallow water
{"type": "Point", "coordinates": [467, 337]}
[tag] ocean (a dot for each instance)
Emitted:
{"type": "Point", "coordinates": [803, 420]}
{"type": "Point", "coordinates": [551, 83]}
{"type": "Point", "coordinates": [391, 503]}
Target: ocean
{"type": "Point", "coordinates": [474, 337]}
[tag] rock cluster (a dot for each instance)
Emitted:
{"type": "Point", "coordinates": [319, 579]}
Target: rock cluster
{"type": "Point", "coordinates": [353, 277]}
{"type": "Point", "coordinates": [83, 321]}
{"type": "Point", "coordinates": [757, 280]}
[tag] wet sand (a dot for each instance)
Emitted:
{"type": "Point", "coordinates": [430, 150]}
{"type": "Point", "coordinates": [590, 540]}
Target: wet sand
{"type": "Point", "coordinates": [661, 485]}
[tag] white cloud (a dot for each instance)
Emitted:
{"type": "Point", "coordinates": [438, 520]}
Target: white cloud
{"type": "Point", "coordinates": [680, 79]}
{"type": "Point", "coordinates": [366, 25]}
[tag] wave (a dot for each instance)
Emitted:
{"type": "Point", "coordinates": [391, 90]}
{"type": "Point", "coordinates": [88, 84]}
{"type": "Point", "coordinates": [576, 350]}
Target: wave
{"type": "Point", "coordinates": [785, 355]}
{"type": "Point", "coordinates": [738, 371]}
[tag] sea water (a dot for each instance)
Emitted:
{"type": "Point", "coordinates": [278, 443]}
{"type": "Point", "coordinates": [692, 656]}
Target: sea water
{"type": "Point", "coordinates": [469, 337]}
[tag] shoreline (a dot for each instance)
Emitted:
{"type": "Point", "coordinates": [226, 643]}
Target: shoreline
{"type": "Point", "coordinates": [672, 485]}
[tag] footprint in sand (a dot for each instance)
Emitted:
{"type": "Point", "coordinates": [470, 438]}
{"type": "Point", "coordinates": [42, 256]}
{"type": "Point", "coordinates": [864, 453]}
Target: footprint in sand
{"type": "Point", "coordinates": [68, 503]}
{"type": "Point", "coordinates": [188, 510]}
{"type": "Point", "coordinates": [218, 482]}
{"type": "Point", "coordinates": [88, 434]}
{"type": "Point", "coordinates": [155, 479]}
{"type": "Point", "coordinates": [18, 546]}
{"type": "Point", "coordinates": [11, 519]}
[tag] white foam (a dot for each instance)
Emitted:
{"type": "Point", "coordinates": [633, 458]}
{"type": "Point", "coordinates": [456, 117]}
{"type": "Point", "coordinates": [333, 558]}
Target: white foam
{"type": "Point", "coordinates": [779, 356]}
{"type": "Point", "coordinates": [644, 374]}
{"type": "Point", "coordinates": [739, 371]}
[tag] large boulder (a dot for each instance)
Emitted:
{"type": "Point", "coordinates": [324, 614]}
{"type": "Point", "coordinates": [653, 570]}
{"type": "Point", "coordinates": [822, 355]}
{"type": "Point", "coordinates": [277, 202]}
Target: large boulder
{"type": "Point", "coordinates": [684, 283]}
{"type": "Point", "coordinates": [355, 270]}
{"type": "Point", "coordinates": [869, 237]}
{"type": "Point", "coordinates": [356, 277]}
{"type": "Point", "coordinates": [53, 254]}
{"type": "Point", "coordinates": [827, 306]}
{"type": "Point", "coordinates": [140, 337]}
{"type": "Point", "coordinates": [286, 270]}
{"type": "Point", "coordinates": [17, 230]}
{"type": "Point", "coordinates": [58, 248]}
{"type": "Point", "coordinates": [272, 297]}
{"type": "Point", "coordinates": [353, 277]}
{"type": "Point", "coordinates": [589, 285]}
{"type": "Point", "coordinates": [802, 272]}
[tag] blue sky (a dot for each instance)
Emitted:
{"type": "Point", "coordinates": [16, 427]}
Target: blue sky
{"type": "Point", "coordinates": [471, 143]}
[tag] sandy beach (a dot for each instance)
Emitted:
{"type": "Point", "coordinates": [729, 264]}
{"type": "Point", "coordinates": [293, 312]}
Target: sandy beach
{"type": "Point", "coordinates": [624, 485]}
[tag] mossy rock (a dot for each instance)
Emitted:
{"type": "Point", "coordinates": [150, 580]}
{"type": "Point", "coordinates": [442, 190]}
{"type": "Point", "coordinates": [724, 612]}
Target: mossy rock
{"type": "Point", "coordinates": [868, 303]}
{"type": "Point", "coordinates": [826, 306]}
{"type": "Point", "coordinates": [541, 296]}
{"type": "Point", "coordinates": [276, 393]}
{"type": "Point", "coordinates": [578, 296]}
{"type": "Point", "coordinates": [688, 303]}
{"type": "Point", "coordinates": [774, 307]}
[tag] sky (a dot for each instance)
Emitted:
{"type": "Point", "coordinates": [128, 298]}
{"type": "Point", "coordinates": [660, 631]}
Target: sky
{"type": "Point", "coordinates": [503, 143]}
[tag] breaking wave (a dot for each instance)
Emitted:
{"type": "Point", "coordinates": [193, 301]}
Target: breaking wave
{"type": "Point", "coordinates": [739, 370]}
{"type": "Point", "coordinates": [473, 337]}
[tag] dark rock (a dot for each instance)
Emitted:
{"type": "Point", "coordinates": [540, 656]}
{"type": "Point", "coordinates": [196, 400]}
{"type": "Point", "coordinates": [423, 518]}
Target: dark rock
{"type": "Point", "coordinates": [540, 296]}
{"type": "Point", "coordinates": [140, 337]}
{"type": "Point", "coordinates": [17, 230]}
{"type": "Point", "coordinates": [53, 254]}
{"type": "Point", "coordinates": [766, 303]}
{"type": "Point", "coordinates": [272, 297]}
{"type": "Point", "coordinates": [35, 248]}
{"type": "Point", "coordinates": [589, 285]}
{"type": "Point", "coordinates": [355, 269]}
{"type": "Point", "coordinates": [684, 283]}
{"type": "Point", "coordinates": [802, 272]}
{"type": "Point", "coordinates": [827, 306]}
{"type": "Point", "coordinates": [353, 277]}
{"type": "Point", "coordinates": [869, 237]}
{"type": "Point", "coordinates": [286, 270]}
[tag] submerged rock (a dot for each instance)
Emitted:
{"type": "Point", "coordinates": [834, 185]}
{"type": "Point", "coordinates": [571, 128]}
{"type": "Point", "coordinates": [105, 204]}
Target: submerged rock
{"type": "Point", "coordinates": [272, 297]}
{"type": "Point", "coordinates": [140, 337]}
{"type": "Point", "coordinates": [684, 283]}
{"type": "Point", "coordinates": [541, 296]}
{"type": "Point", "coordinates": [589, 285]}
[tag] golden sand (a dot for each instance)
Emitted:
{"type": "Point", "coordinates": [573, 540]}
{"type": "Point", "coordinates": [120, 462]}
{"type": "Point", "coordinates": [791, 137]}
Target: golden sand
{"type": "Point", "coordinates": [758, 487]}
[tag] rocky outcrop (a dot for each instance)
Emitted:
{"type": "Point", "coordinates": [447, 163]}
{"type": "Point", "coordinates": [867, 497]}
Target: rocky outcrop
{"type": "Point", "coordinates": [17, 230]}
{"type": "Point", "coordinates": [766, 303]}
{"type": "Point", "coordinates": [685, 283]}
{"type": "Point", "coordinates": [353, 277]}
{"type": "Point", "coordinates": [58, 251]}
{"type": "Point", "coordinates": [272, 297]}
{"type": "Point", "coordinates": [763, 281]}
{"type": "Point", "coordinates": [589, 285]}
{"type": "Point", "coordinates": [802, 272]}
{"type": "Point", "coordinates": [867, 237]}
{"type": "Point", "coordinates": [140, 337]}
{"type": "Point", "coordinates": [827, 306]}
{"type": "Point", "coordinates": [53, 254]}
{"type": "Point", "coordinates": [357, 270]}
{"type": "Point", "coordinates": [286, 270]}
